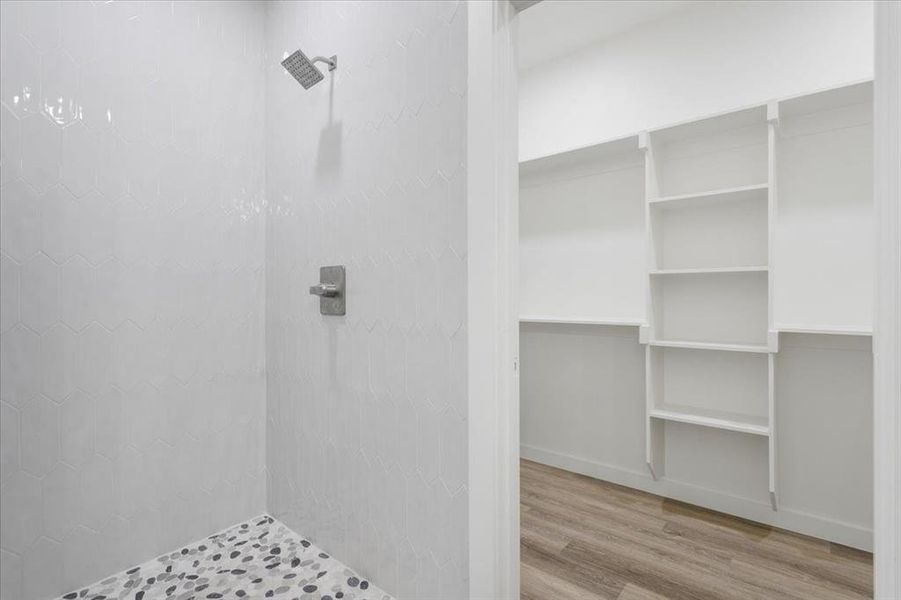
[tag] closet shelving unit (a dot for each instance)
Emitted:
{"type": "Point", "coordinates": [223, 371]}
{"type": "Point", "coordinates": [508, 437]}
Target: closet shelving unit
{"type": "Point", "coordinates": [704, 214]}
{"type": "Point", "coordinates": [709, 196]}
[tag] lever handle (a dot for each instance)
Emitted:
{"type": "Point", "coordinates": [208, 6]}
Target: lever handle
{"type": "Point", "coordinates": [325, 290]}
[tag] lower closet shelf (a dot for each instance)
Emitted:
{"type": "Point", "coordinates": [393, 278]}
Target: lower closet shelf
{"type": "Point", "coordinates": [712, 418]}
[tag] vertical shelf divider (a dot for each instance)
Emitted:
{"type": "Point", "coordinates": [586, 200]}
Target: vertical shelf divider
{"type": "Point", "coordinates": [772, 117]}
{"type": "Point", "coordinates": [771, 450]}
{"type": "Point", "coordinates": [655, 443]}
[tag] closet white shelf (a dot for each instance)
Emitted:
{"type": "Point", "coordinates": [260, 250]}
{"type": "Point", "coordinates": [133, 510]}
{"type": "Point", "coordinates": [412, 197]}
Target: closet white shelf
{"type": "Point", "coordinates": [824, 330]}
{"type": "Point", "coordinates": [579, 321]}
{"type": "Point", "coordinates": [734, 194]}
{"type": "Point", "coordinates": [712, 418]}
{"type": "Point", "coordinates": [711, 270]}
{"type": "Point", "coordinates": [755, 348]}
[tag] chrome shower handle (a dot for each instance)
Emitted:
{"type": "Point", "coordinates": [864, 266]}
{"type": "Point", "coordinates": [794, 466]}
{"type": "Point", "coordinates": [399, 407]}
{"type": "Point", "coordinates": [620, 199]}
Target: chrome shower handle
{"type": "Point", "coordinates": [325, 290]}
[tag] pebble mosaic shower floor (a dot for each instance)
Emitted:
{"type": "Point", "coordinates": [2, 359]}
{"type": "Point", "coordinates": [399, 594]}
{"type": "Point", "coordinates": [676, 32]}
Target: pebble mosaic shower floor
{"type": "Point", "coordinates": [260, 558]}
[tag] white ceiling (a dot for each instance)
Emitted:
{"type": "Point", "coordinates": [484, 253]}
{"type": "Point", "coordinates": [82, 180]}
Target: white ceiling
{"type": "Point", "coordinates": [555, 28]}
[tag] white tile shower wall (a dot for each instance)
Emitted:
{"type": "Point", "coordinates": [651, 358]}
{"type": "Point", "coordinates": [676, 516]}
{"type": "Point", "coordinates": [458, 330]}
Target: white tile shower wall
{"type": "Point", "coordinates": [366, 435]}
{"type": "Point", "coordinates": [133, 390]}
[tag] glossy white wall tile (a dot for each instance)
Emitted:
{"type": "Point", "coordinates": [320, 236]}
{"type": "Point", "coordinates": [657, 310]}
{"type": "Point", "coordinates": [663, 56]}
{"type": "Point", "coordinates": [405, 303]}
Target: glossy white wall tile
{"type": "Point", "coordinates": [366, 436]}
{"type": "Point", "coordinates": [131, 263]}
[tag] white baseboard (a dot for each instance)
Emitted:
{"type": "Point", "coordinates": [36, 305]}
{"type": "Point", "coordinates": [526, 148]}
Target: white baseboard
{"type": "Point", "coordinates": [799, 522]}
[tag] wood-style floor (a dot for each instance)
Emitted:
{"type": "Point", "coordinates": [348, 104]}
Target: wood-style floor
{"type": "Point", "coordinates": [584, 539]}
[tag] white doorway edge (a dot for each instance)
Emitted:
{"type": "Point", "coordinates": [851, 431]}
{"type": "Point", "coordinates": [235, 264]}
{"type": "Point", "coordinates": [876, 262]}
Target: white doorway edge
{"type": "Point", "coordinates": [887, 322]}
{"type": "Point", "coordinates": [493, 326]}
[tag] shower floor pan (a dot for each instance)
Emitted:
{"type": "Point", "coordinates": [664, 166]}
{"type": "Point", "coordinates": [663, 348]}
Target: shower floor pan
{"type": "Point", "coordinates": [260, 558]}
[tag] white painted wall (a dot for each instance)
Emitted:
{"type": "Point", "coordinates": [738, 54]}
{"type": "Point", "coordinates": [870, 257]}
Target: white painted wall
{"type": "Point", "coordinates": [581, 227]}
{"type": "Point", "coordinates": [367, 414]}
{"type": "Point", "coordinates": [718, 57]}
{"type": "Point", "coordinates": [132, 398]}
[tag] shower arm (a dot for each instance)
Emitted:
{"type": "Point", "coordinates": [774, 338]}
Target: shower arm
{"type": "Point", "coordinates": [332, 62]}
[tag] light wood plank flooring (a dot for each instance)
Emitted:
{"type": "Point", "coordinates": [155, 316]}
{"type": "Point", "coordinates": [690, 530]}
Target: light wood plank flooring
{"type": "Point", "coordinates": [584, 539]}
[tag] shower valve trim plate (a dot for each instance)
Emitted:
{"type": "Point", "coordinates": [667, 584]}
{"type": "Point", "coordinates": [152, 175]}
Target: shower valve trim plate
{"type": "Point", "coordinates": [331, 290]}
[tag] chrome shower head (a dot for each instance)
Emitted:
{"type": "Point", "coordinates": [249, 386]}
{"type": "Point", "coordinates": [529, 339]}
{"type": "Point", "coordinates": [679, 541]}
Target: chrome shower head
{"type": "Point", "coordinates": [302, 69]}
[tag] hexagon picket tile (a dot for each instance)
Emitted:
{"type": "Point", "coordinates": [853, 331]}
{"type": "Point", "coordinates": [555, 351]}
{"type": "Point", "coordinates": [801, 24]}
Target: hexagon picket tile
{"type": "Point", "coordinates": [39, 289]}
{"type": "Point", "coordinates": [58, 364]}
{"type": "Point", "coordinates": [457, 386]}
{"type": "Point", "coordinates": [9, 441]}
{"type": "Point", "coordinates": [99, 217]}
{"type": "Point", "coordinates": [38, 580]}
{"type": "Point", "coordinates": [59, 88]}
{"type": "Point", "coordinates": [457, 546]}
{"type": "Point", "coordinates": [79, 305]}
{"type": "Point", "coordinates": [429, 578]}
{"type": "Point", "coordinates": [436, 371]}
{"type": "Point", "coordinates": [21, 79]}
{"type": "Point", "coordinates": [10, 146]}
{"type": "Point", "coordinates": [159, 115]}
{"type": "Point", "coordinates": [454, 460]}
{"type": "Point", "coordinates": [21, 225]}
{"type": "Point", "coordinates": [96, 83]}
{"type": "Point", "coordinates": [79, 34]}
{"type": "Point", "coordinates": [61, 224]}
{"type": "Point", "coordinates": [128, 110]}
{"type": "Point", "coordinates": [9, 293]}
{"type": "Point", "coordinates": [21, 366]}
{"type": "Point", "coordinates": [128, 495]}
{"type": "Point", "coordinates": [76, 425]}
{"type": "Point", "coordinates": [145, 417]}
{"type": "Point", "coordinates": [427, 443]}
{"type": "Point", "coordinates": [80, 557]}
{"type": "Point", "coordinates": [10, 569]}
{"type": "Point", "coordinates": [40, 435]}
{"type": "Point", "coordinates": [21, 515]}
{"type": "Point", "coordinates": [96, 490]}
{"type": "Point", "coordinates": [94, 368]}
{"type": "Point", "coordinates": [41, 24]}
{"type": "Point", "coordinates": [41, 152]}
{"type": "Point", "coordinates": [451, 305]}
{"type": "Point", "coordinates": [112, 174]}
{"type": "Point", "coordinates": [456, 215]}
{"type": "Point", "coordinates": [131, 356]}
{"type": "Point", "coordinates": [62, 501]}
{"type": "Point", "coordinates": [407, 563]}
{"type": "Point", "coordinates": [80, 153]}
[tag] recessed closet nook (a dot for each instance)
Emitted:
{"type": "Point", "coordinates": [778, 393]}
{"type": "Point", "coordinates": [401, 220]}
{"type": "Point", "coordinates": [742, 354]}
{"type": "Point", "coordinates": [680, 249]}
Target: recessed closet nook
{"type": "Point", "coordinates": [696, 311]}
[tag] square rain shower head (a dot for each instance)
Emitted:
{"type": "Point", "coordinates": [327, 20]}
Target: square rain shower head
{"type": "Point", "coordinates": [302, 69]}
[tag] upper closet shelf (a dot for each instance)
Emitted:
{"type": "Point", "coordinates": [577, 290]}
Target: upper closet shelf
{"type": "Point", "coordinates": [826, 100]}
{"type": "Point", "coordinates": [824, 330]}
{"type": "Point", "coordinates": [735, 194]}
{"type": "Point", "coordinates": [580, 321]}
